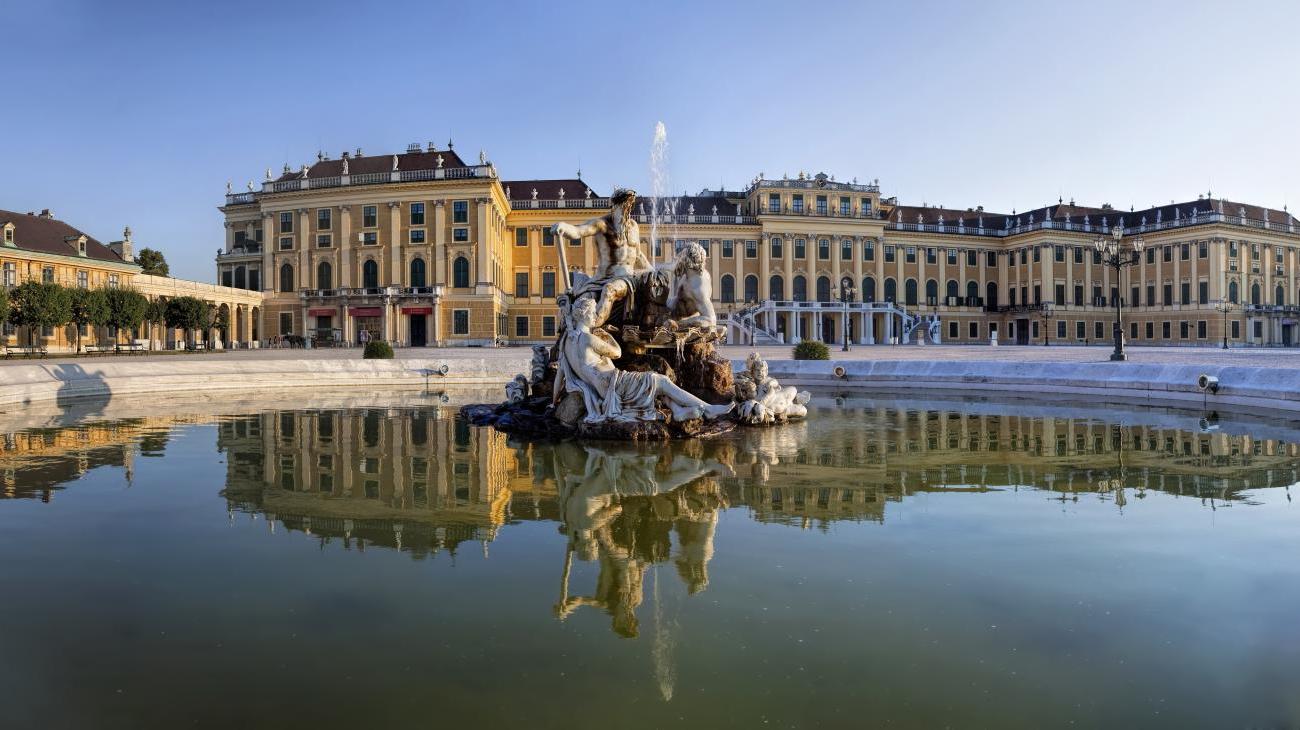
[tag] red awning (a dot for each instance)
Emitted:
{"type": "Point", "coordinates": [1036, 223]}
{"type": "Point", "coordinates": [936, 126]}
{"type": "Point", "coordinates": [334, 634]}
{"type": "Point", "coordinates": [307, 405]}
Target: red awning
{"type": "Point", "coordinates": [366, 311]}
{"type": "Point", "coordinates": [417, 310]}
{"type": "Point", "coordinates": [322, 312]}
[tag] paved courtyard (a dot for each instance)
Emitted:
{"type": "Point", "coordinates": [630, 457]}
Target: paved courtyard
{"type": "Point", "coordinates": [1253, 357]}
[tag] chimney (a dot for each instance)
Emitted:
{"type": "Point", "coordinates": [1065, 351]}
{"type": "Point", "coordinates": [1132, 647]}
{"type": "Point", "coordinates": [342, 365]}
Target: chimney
{"type": "Point", "coordinates": [45, 213]}
{"type": "Point", "coordinates": [123, 247]}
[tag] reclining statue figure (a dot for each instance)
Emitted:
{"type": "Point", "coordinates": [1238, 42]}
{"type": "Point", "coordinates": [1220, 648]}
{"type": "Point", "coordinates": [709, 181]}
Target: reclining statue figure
{"type": "Point", "coordinates": [763, 399]}
{"type": "Point", "coordinates": [586, 366]}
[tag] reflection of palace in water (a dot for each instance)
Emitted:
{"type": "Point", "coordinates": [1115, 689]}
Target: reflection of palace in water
{"type": "Point", "coordinates": [421, 481]}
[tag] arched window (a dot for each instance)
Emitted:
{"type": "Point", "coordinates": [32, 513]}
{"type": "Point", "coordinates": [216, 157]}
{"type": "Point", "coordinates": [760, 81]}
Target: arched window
{"type": "Point", "coordinates": [417, 272]}
{"type": "Point", "coordinates": [891, 290]}
{"type": "Point", "coordinates": [1279, 295]}
{"type": "Point", "coordinates": [460, 272]}
{"type": "Point", "coordinates": [800, 292]}
{"type": "Point", "coordinates": [286, 277]}
{"type": "Point", "coordinates": [751, 288]}
{"type": "Point", "coordinates": [241, 277]}
{"type": "Point", "coordinates": [776, 288]}
{"type": "Point", "coordinates": [1254, 293]}
{"type": "Point", "coordinates": [868, 289]}
{"type": "Point", "coordinates": [954, 291]}
{"type": "Point", "coordinates": [931, 292]}
{"type": "Point", "coordinates": [972, 292]}
{"type": "Point", "coordinates": [370, 275]}
{"type": "Point", "coordinates": [823, 289]}
{"type": "Point", "coordinates": [992, 299]}
{"type": "Point", "coordinates": [909, 292]}
{"type": "Point", "coordinates": [1232, 292]}
{"type": "Point", "coordinates": [324, 275]}
{"type": "Point", "coordinates": [728, 288]}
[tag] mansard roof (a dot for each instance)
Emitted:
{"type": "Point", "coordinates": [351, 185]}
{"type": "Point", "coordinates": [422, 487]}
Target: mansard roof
{"type": "Point", "coordinates": [46, 234]}
{"type": "Point", "coordinates": [574, 188]}
{"type": "Point", "coordinates": [424, 160]}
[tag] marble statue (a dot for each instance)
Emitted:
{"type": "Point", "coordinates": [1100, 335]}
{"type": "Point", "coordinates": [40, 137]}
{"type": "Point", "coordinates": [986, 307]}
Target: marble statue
{"type": "Point", "coordinates": [586, 366]}
{"type": "Point", "coordinates": [620, 258]}
{"type": "Point", "coordinates": [764, 400]}
{"type": "Point", "coordinates": [690, 301]}
{"type": "Point", "coordinates": [932, 329]}
{"type": "Point", "coordinates": [517, 389]}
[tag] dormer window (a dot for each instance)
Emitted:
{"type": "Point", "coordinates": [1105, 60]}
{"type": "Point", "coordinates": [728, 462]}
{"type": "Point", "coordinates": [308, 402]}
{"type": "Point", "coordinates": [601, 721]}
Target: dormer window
{"type": "Point", "coordinates": [81, 246]}
{"type": "Point", "coordinates": [9, 234]}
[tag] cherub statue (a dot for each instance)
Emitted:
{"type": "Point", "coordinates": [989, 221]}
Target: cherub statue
{"type": "Point", "coordinates": [763, 399]}
{"type": "Point", "coordinates": [690, 301]}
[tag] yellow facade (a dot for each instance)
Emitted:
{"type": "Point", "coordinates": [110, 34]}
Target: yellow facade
{"type": "Point", "coordinates": [453, 255]}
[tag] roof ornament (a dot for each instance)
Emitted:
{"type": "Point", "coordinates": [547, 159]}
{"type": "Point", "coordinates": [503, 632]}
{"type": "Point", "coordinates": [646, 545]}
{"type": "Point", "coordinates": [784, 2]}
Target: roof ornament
{"type": "Point", "coordinates": [440, 161]}
{"type": "Point", "coordinates": [359, 152]}
{"type": "Point", "coordinates": [1087, 220]}
{"type": "Point", "coordinates": [345, 166]}
{"type": "Point", "coordinates": [1144, 220]}
{"type": "Point", "coordinates": [1160, 215]}
{"type": "Point", "coordinates": [429, 147]}
{"type": "Point", "coordinates": [286, 168]}
{"type": "Point", "coordinates": [250, 186]}
{"type": "Point", "coordinates": [561, 193]}
{"type": "Point", "coordinates": [941, 219]}
{"type": "Point", "coordinates": [920, 219]}
{"type": "Point", "coordinates": [855, 179]}
{"type": "Point", "coordinates": [268, 174]}
{"type": "Point", "coordinates": [482, 157]}
{"type": "Point", "coordinates": [449, 144]}
{"type": "Point", "coordinates": [534, 193]}
{"type": "Point", "coordinates": [981, 221]}
{"type": "Point", "coordinates": [126, 233]}
{"type": "Point", "coordinates": [715, 210]}
{"type": "Point", "coordinates": [588, 193]}
{"type": "Point", "coordinates": [303, 174]}
{"type": "Point", "coordinates": [394, 163]}
{"type": "Point", "coordinates": [690, 210]}
{"type": "Point", "coordinates": [227, 187]}
{"type": "Point", "coordinates": [507, 192]}
{"type": "Point", "coordinates": [737, 208]}
{"type": "Point", "coordinates": [1104, 226]}
{"type": "Point", "coordinates": [320, 155]}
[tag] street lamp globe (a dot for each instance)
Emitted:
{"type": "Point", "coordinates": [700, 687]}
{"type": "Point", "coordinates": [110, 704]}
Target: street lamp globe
{"type": "Point", "coordinates": [1139, 244]}
{"type": "Point", "coordinates": [1117, 233]}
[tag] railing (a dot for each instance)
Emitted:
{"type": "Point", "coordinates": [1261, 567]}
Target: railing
{"type": "Point", "coordinates": [816, 212]}
{"type": "Point", "coordinates": [814, 184]}
{"type": "Point", "coordinates": [239, 252]}
{"type": "Point", "coordinates": [730, 220]}
{"type": "Point", "coordinates": [1201, 218]}
{"type": "Point", "coordinates": [369, 178]}
{"type": "Point", "coordinates": [546, 204]}
{"type": "Point", "coordinates": [373, 291]}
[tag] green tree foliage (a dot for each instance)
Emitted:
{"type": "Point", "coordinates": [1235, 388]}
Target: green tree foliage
{"type": "Point", "coordinates": [37, 304]}
{"type": "Point", "coordinates": [186, 313]}
{"type": "Point", "coordinates": [153, 262]}
{"type": "Point", "coordinates": [86, 307]}
{"type": "Point", "coordinates": [4, 304]}
{"type": "Point", "coordinates": [377, 350]}
{"type": "Point", "coordinates": [155, 313]}
{"type": "Point", "coordinates": [812, 350]}
{"type": "Point", "coordinates": [126, 309]}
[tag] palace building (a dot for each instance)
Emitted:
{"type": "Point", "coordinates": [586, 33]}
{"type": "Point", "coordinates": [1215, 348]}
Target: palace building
{"type": "Point", "coordinates": [421, 248]}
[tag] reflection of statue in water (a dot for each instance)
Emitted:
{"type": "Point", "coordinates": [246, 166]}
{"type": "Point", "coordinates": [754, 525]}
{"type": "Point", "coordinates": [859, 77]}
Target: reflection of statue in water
{"type": "Point", "coordinates": [587, 366]}
{"type": "Point", "coordinates": [620, 509]}
{"type": "Point", "coordinates": [762, 399]}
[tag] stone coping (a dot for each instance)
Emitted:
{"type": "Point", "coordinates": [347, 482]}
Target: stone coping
{"type": "Point", "coordinates": [1134, 384]}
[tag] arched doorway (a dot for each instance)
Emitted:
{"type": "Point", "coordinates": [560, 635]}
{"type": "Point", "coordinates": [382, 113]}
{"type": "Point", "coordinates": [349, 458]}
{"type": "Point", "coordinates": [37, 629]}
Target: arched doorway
{"type": "Point", "coordinates": [992, 299]}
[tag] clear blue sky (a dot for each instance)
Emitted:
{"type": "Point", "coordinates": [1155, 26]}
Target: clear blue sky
{"type": "Point", "coordinates": [137, 113]}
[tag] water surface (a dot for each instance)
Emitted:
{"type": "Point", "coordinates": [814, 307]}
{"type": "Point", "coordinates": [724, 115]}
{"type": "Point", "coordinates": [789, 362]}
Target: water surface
{"type": "Point", "coordinates": [892, 563]}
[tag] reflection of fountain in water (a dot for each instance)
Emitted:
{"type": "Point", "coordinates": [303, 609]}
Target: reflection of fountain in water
{"type": "Point", "coordinates": [665, 643]}
{"type": "Point", "coordinates": [662, 202]}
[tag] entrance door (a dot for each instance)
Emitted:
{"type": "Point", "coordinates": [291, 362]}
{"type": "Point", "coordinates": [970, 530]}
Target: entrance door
{"type": "Point", "coordinates": [1022, 332]}
{"type": "Point", "coordinates": [1287, 337]}
{"type": "Point", "coordinates": [418, 338]}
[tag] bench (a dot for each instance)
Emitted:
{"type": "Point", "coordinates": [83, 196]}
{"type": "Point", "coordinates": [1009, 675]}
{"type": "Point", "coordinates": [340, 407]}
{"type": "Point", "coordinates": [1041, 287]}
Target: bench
{"type": "Point", "coordinates": [131, 347]}
{"type": "Point", "coordinates": [98, 349]}
{"type": "Point", "coordinates": [25, 350]}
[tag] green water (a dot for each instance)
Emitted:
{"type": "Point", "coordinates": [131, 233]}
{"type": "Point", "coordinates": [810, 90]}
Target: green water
{"type": "Point", "coordinates": [887, 563]}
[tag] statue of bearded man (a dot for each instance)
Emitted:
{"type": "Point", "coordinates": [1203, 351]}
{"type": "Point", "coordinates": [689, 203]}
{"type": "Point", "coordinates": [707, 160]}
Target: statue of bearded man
{"type": "Point", "coordinates": [618, 241]}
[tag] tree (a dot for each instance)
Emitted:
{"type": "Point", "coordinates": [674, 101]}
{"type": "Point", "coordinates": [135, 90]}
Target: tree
{"type": "Point", "coordinates": [126, 309]}
{"type": "Point", "coordinates": [153, 262]}
{"type": "Point", "coordinates": [220, 320]}
{"type": "Point", "coordinates": [86, 307]}
{"type": "Point", "coordinates": [186, 313]}
{"type": "Point", "coordinates": [4, 304]}
{"type": "Point", "coordinates": [36, 305]}
{"type": "Point", "coordinates": [155, 313]}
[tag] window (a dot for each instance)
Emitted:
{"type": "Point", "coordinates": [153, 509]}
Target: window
{"type": "Point", "coordinates": [1080, 330]}
{"type": "Point", "coordinates": [1165, 330]}
{"type": "Point", "coordinates": [369, 216]}
{"type": "Point", "coordinates": [1132, 330]}
{"type": "Point", "coordinates": [845, 206]}
{"type": "Point", "coordinates": [548, 283]}
{"type": "Point", "coordinates": [800, 292]}
{"type": "Point", "coordinates": [286, 323]}
{"type": "Point", "coordinates": [776, 288]}
{"type": "Point", "coordinates": [1186, 252]}
{"type": "Point", "coordinates": [83, 280]}
{"type": "Point", "coordinates": [776, 245]}
{"type": "Point", "coordinates": [548, 326]}
{"type": "Point", "coordinates": [323, 240]}
{"type": "Point", "coordinates": [417, 214]}
{"type": "Point", "coordinates": [728, 249]}
{"type": "Point", "coordinates": [521, 326]}
{"type": "Point", "coordinates": [1185, 293]}
{"type": "Point", "coordinates": [1099, 330]}
{"type": "Point", "coordinates": [974, 330]}
{"type": "Point", "coordinates": [800, 248]}
{"type": "Point", "coordinates": [1200, 329]}
{"type": "Point", "coordinates": [1058, 253]}
{"type": "Point", "coordinates": [1038, 254]}
{"type": "Point", "coordinates": [47, 274]}
{"type": "Point", "coordinates": [416, 236]}
{"type": "Point", "coordinates": [1060, 329]}
{"type": "Point", "coordinates": [1096, 257]}
{"type": "Point", "coordinates": [751, 249]}
{"type": "Point", "coordinates": [953, 331]}
{"type": "Point", "coordinates": [1203, 292]}
{"type": "Point", "coordinates": [728, 288]}
{"type": "Point", "coordinates": [952, 257]}
{"type": "Point", "coordinates": [1232, 249]}
{"type": "Point", "coordinates": [1151, 330]}
{"type": "Point", "coordinates": [324, 275]}
{"type": "Point", "coordinates": [521, 236]}
{"type": "Point", "coordinates": [286, 243]}
{"type": "Point", "coordinates": [796, 203]}
{"type": "Point", "coordinates": [751, 288]}
{"type": "Point", "coordinates": [1151, 255]}
{"type": "Point", "coordinates": [9, 235]}
{"type": "Point", "coordinates": [1078, 254]}
{"type": "Point", "coordinates": [1151, 295]}
{"type": "Point", "coordinates": [460, 211]}
{"type": "Point", "coordinates": [868, 250]}
{"type": "Point", "coordinates": [846, 249]}
{"type": "Point", "coordinates": [773, 202]}
{"type": "Point", "coordinates": [370, 274]}
{"type": "Point", "coordinates": [461, 235]}
{"type": "Point", "coordinates": [991, 258]}
{"type": "Point", "coordinates": [821, 205]}
{"type": "Point", "coordinates": [931, 256]}
{"type": "Point", "coordinates": [460, 321]}
{"type": "Point", "coordinates": [324, 219]}
{"type": "Point", "coordinates": [1168, 291]}
{"type": "Point", "coordinates": [1078, 295]}
{"type": "Point", "coordinates": [1202, 250]}
{"type": "Point", "coordinates": [910, 256]}
{"type": "Point", "coordinates": [1168, 254]}
{"type": "Point", "coordinates": [866, 206]}
{"type": "Point", "coordinates": [548, 236]}
{"type": "Point", "coordinates": [521, 284]}
{"type": "Point", "coordinates": [823, 249]}
{"type": "Point", "coordinates": [1060, 294]}
{"type": "Point", "coordinates": [1184, 329]}
{"type": "Point", "coordinates": [1236, 329]}
{"type": "Point", "coordinates": [972, 257]}
{"type": "Point", "coordinates": [286, 278]}
{"type": "Point", "coordinates": [113, 281]}
{"type": "Point", "coordinates": [286, 222]}
{"type": "Point", "coordinates": [460, 272]}
{"type": "Point", "coordinates": [11, 274]}
{"type": "Point", "coordinates": [1232, 292]}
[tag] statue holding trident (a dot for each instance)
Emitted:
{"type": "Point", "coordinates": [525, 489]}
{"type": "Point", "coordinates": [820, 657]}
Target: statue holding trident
{"type": "Point", "coordinates": [618, 241]}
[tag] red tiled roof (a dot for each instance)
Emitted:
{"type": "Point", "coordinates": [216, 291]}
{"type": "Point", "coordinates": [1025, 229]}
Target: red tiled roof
{"type": "Point", "coordinates": [48, 235]}
{"type": "Point", "coordinates": [547, 189]}
{"type": "Point", "coordinates": [378, 163]}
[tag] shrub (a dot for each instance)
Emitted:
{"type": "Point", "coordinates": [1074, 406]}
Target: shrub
{"type": "Point", "coordinates": [378, 350]}
{"type": "Point", "coordinates": [812, 350]}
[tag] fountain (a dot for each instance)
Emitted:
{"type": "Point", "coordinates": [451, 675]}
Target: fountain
{"type": "Point", "coordinates": [635, 358]}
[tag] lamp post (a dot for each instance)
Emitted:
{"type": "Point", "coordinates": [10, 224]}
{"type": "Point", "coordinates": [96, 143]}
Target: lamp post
{"type": "Point", "coordinates": [1046, 310]}
{"type": "Point", "coordinates": [1116, 256]}
{"type": "Point", "coordinates": [847, 292]}
{"type": "Point", "coordinates": [1224, 306]}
